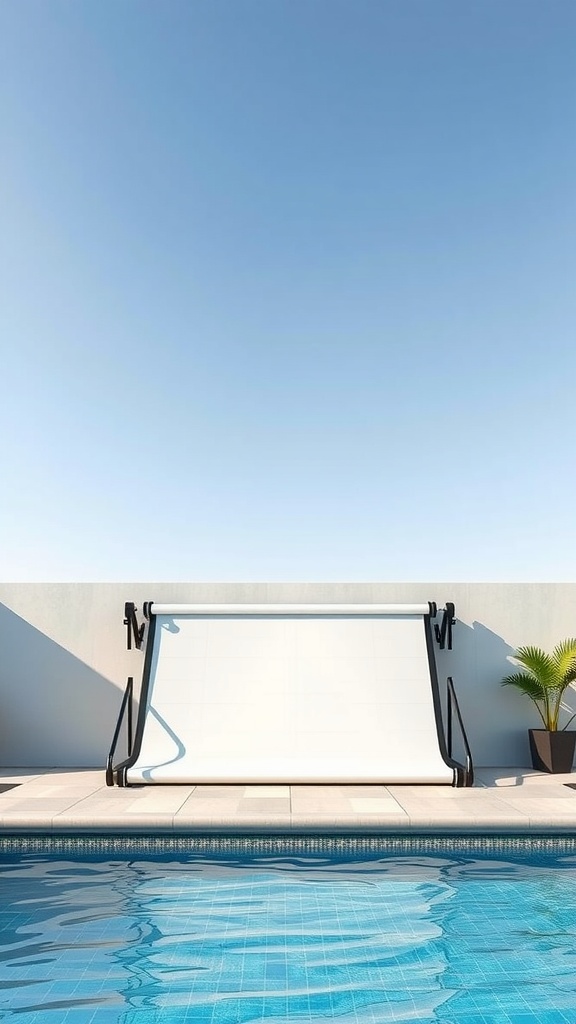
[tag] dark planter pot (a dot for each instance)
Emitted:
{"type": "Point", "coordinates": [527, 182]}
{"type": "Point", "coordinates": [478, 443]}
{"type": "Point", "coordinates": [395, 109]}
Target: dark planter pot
{"type": "Point", "coordinates": [552, 751]}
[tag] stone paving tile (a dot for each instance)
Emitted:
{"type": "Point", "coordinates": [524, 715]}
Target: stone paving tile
{"type": "Point", "coordinates": [465, 808]}
{"type": "Point", "coordinates": [154, 805]}
{"type": "Point", "coordinates": [142, 792]}
{"type": "Point", "coordinates": [47, 806]}
{"type": "Point", "coordinates": [263, 805]}
{"type": "Point", "coordinates": [328, 805]}
{"type": "Point", "coordinates": [532, 793]}
{"type": "Point", "coordinates": [113, 822]}
{"type": "Point", "coordinates": [96, 809]}
{"type": "Point", "coordinates": [374, 805]}
{"type": "Point", "coordinates": [556, 823]}
{"type": "Point", "coordinates": [77, 776]}
{"type": "Point", "coordinates": [237, 821]}
{"type": "Point", "coordinates": [21, 775]}
{"type": "Point", "coordinates": [38, 790]}
{"type": "Point", "coordinates": [216, 806]}
{"type": "Point", "coordinates": [216, 792]}
{"type": "Point", "coordinates": [542, 806]}
{"type": "Point", "coordinates": [264, 818]}
{"type": "Point", "coordinates": [348, 822]}
{"type": "Point", "coordinates": [265, 792]}
{"type": "Point", "coordinates": [504, 800]}
{"type": "Point", "coordinates": [462, 811]}
{"type": "Point", "coordinates": [337, 792]}
{"type": "Point", "coordinates": [33, 820]}
{"type": "Point", "coordinates": [520, 777]}
{"type": "Point", "coordinates": [431, 793]}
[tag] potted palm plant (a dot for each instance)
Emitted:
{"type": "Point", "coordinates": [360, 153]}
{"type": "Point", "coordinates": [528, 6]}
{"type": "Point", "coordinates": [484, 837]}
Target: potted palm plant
{"type": "Point", "coordinates": [545, 678]}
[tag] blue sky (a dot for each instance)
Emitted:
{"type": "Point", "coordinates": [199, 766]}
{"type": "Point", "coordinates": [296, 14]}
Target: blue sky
{"type": "Point", "coordinates": [288, 289]}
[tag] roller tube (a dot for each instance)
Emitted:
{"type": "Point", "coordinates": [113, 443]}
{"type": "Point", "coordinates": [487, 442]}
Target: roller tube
{"type": "Point", "coordinates": [290, 609]}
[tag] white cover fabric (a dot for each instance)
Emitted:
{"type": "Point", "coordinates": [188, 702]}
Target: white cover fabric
{"type": "Point", "coordinates": [290, 699]}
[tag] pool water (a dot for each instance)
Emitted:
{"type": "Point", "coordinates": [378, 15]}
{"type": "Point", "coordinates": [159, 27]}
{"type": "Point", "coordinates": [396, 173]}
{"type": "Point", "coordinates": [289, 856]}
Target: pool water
{"type": "Point", "coordinates": [352, 936]}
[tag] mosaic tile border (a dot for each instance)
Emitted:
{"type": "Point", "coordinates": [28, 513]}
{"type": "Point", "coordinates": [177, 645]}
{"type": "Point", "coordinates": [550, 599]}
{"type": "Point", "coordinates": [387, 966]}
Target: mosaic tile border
{"type": "Point", "coordinates": [247, 846]}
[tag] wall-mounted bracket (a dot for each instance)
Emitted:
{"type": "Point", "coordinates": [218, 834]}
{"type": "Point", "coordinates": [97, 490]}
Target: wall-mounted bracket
{"type": "Point", "coordinates": [134, 629]}
{"type": "Point", "coordinates": [443, 632]}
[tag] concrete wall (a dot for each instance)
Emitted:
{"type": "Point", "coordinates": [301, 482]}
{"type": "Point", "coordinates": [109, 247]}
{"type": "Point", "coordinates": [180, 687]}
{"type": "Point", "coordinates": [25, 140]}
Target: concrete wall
{"type": "Point", "coordinates": [63, 658]}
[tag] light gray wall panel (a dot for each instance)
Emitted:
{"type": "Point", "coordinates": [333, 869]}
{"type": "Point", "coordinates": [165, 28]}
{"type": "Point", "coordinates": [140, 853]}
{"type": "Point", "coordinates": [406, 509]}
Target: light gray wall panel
{"type": "Point", "coordinates": [63, 662]}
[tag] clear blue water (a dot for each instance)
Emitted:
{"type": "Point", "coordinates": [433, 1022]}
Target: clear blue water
{"type": "Point", "coordinates": [484, 937]}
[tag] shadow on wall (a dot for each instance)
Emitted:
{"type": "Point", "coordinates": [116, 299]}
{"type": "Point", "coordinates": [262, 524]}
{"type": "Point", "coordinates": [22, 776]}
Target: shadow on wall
{"type": "Point", "coordinates": [477, 663]}
{"type": "Point", "coordinates": [496, 718]}
{"type": "Point", "coordinates": [55, 711]}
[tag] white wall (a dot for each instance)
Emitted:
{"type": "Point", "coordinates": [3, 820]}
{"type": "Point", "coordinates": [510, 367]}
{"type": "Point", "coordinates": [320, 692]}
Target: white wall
{"type": "Point", "coordinates": [63, 658]}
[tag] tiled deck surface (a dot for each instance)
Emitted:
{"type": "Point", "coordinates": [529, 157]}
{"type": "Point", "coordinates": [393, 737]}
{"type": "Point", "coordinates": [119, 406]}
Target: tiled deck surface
{"type": "Point", "coordinates": [503, 800]}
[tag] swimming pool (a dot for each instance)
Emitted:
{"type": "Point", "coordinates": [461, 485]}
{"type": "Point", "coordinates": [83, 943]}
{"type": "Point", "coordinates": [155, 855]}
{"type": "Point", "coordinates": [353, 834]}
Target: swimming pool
{"type": "Point", "coordinates": [219, 930]}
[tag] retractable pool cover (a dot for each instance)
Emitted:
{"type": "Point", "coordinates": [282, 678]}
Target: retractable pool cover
{"type": "Point", "coordinates": [289, 694]}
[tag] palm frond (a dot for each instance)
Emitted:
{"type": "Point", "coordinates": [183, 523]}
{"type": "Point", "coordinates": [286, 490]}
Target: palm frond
{"type": "Point", "coordinates": [539, 695]}
{"type": "Point", "coordinates": [538, 664]}
{"type": "Point", "coordinates": [545, 678]}
{"type": "Point", "coordinates": [564, 658]}
{"type": "Point", "coordinates": [527, 683]}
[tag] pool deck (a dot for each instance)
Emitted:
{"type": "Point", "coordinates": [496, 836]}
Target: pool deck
{"type": "Point", "coordinates": [64, 800]}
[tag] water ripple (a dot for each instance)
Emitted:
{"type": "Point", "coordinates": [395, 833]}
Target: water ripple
{"type": "Point", "coordinates": [295, 940]}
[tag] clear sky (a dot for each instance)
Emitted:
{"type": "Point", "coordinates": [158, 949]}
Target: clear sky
{"type": "Point", "coordinates": [288, 289]}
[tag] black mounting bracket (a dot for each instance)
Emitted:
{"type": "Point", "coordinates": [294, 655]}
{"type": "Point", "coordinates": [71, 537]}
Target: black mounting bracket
{"type": "Point", "coordinates": [135, 630]}
{"type": "Point", "coordinates": [443, 632]}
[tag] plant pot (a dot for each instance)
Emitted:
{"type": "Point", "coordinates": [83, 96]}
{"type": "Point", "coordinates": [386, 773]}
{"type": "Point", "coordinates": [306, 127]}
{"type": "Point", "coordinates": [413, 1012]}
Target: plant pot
{"type": "Point", "coordinates": [552, 751]}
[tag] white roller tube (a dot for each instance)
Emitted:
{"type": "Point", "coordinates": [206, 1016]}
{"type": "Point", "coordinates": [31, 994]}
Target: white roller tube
{"type": "Point", "coordinates": [289, 609]}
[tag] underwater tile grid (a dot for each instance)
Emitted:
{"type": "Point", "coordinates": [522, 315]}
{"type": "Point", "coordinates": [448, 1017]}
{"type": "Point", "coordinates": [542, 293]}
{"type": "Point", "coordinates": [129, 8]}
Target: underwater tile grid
{"type": "Point", "coordinates": [238, 930]}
